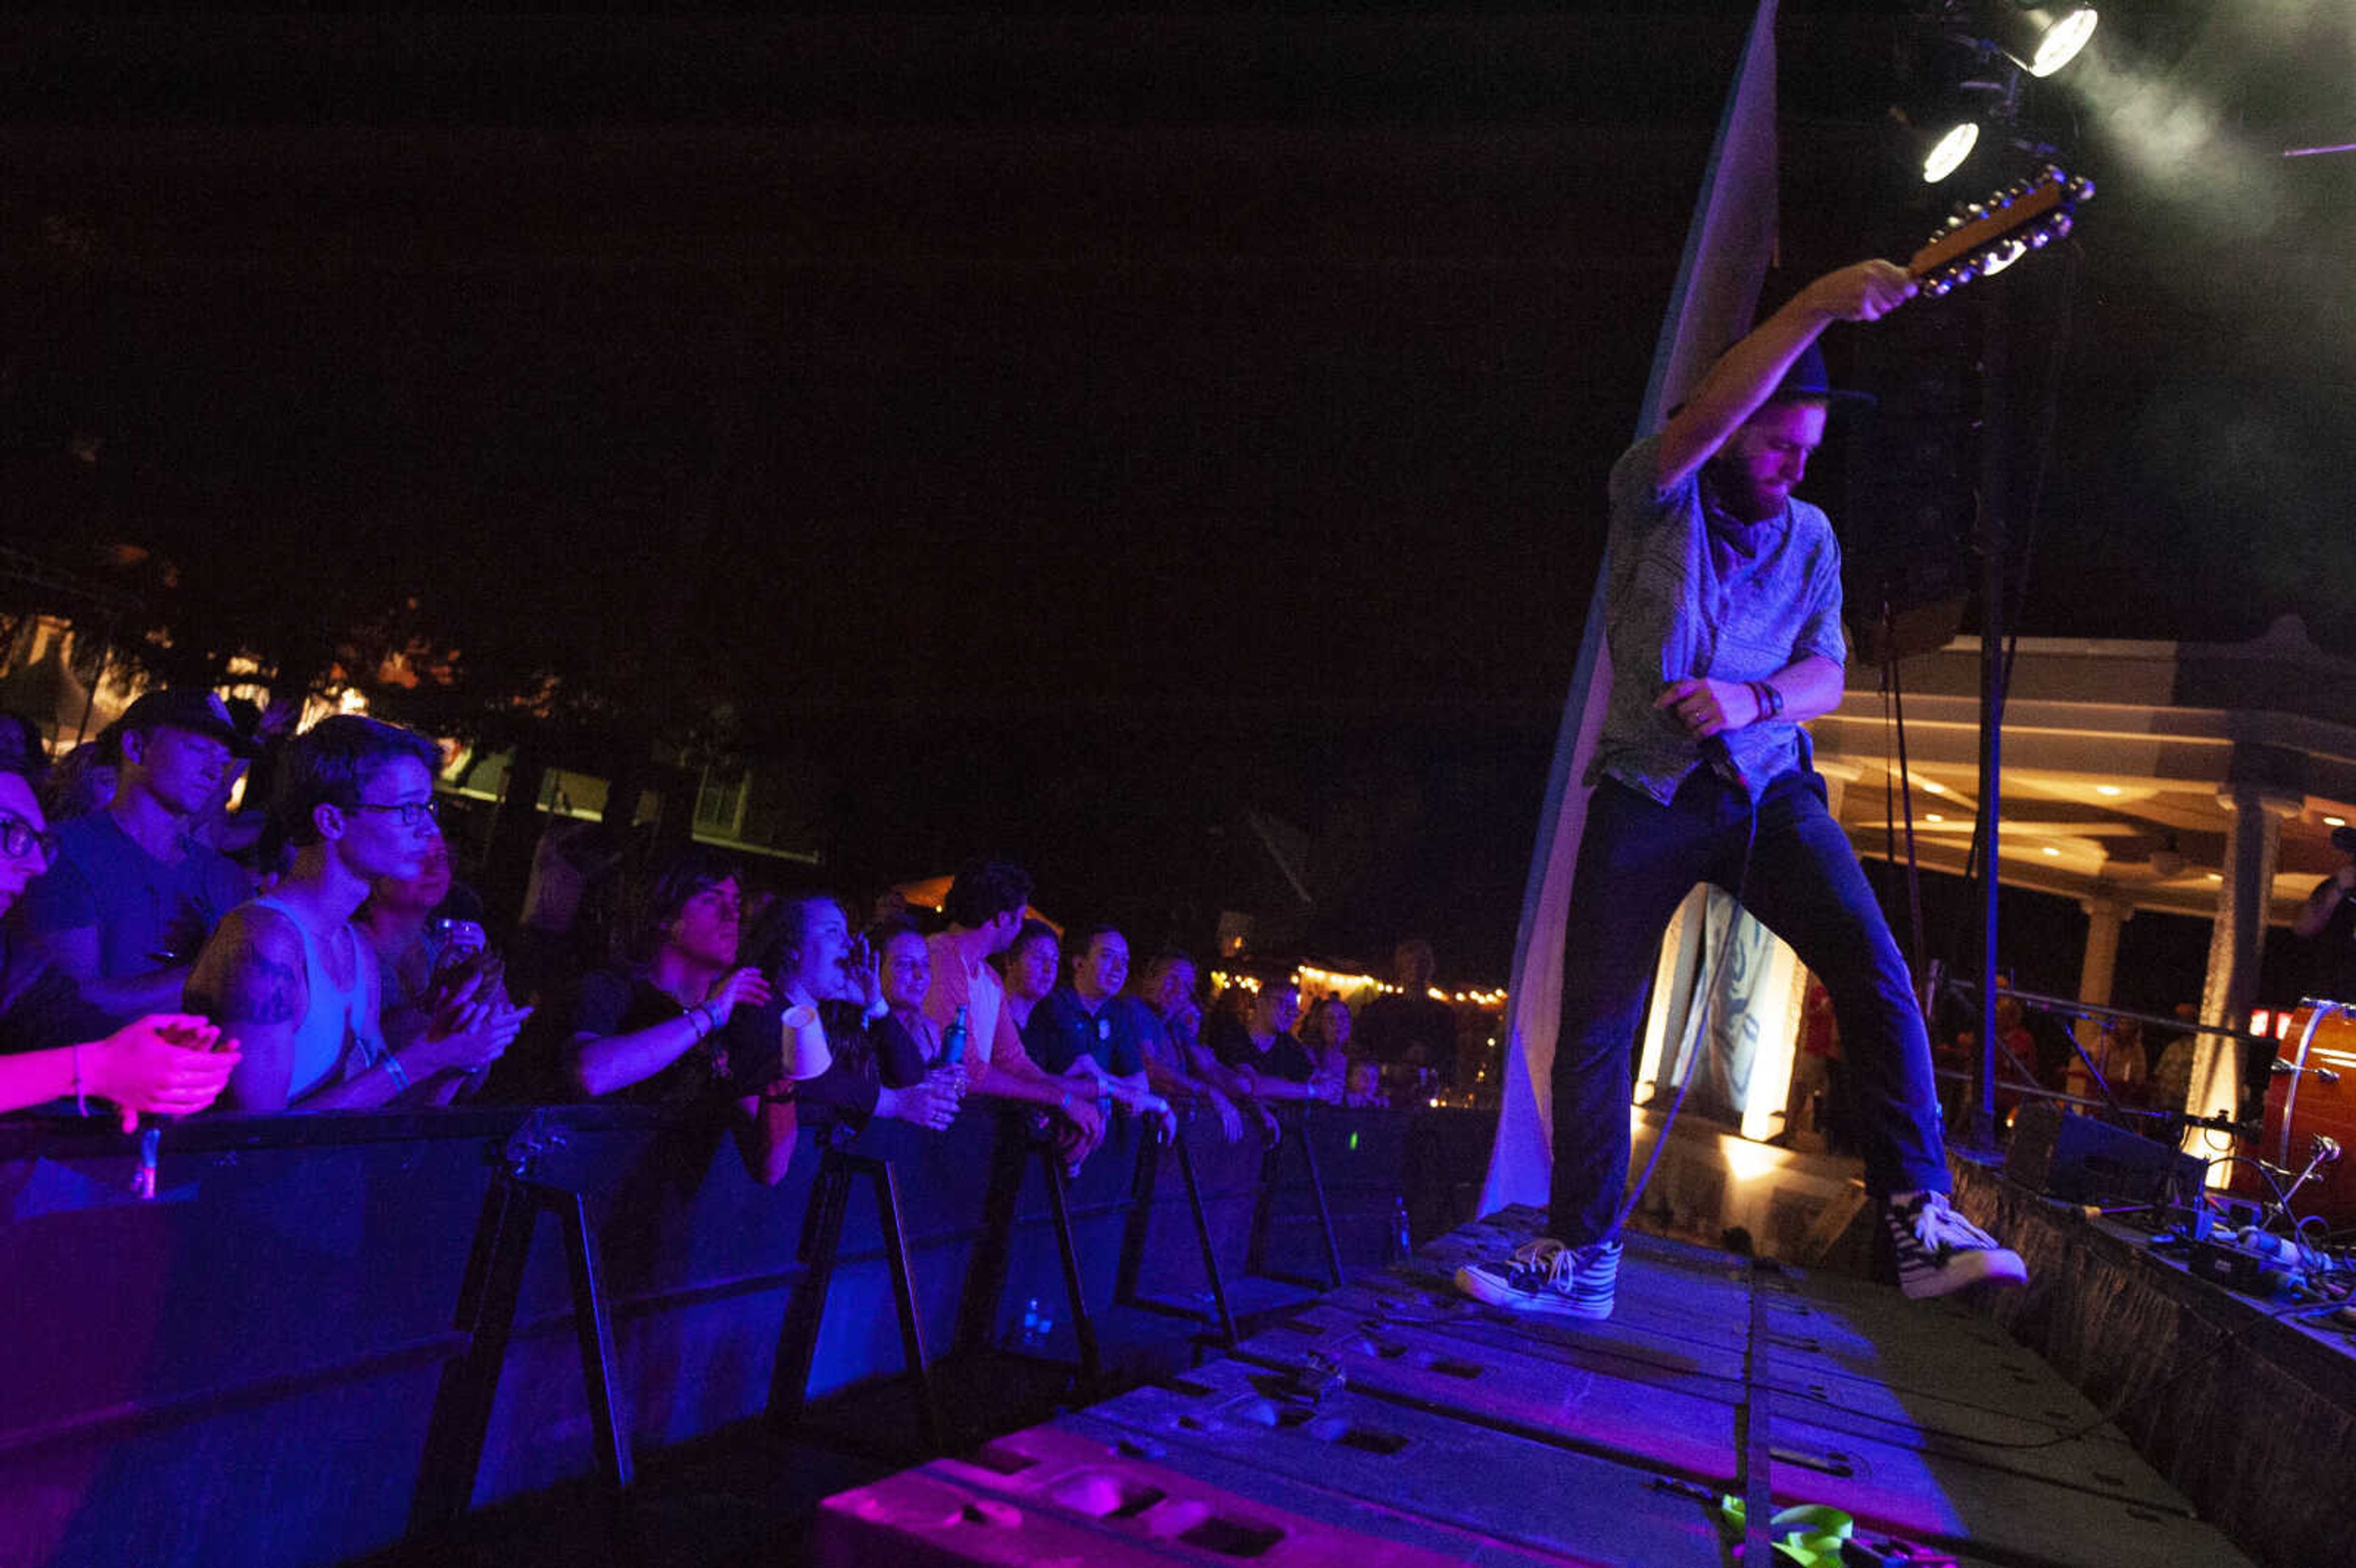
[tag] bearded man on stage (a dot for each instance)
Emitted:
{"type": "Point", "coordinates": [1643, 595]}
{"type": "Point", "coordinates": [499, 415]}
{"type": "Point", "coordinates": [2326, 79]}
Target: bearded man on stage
{"type": "Point", "coordinates": [1723, 605]}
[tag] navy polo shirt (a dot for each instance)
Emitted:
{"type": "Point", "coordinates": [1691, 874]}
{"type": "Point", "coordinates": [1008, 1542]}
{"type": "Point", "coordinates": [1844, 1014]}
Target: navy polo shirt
{"type": "Point", "coordinates": [1062, 1030]}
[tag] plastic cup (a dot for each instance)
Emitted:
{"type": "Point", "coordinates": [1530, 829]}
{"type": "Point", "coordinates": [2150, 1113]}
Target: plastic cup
{"type": "Point", "coordinates": [804, 1038]}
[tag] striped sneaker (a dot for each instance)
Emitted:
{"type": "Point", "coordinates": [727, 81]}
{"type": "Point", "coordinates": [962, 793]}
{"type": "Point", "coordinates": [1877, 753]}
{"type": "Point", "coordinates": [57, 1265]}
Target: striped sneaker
{"type": "Point", "coordinates": [1548, 1278]}
{"type": "Point", "coordinates": [1939, 1251]}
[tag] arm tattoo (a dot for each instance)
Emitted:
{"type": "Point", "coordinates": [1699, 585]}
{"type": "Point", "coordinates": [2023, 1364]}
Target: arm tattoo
{"type": "Point", "coordinates": [252, 973]}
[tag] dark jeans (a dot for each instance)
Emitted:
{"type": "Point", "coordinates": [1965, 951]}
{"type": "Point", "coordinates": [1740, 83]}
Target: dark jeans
{"type": "Point", "coordinates": [1637, 859]}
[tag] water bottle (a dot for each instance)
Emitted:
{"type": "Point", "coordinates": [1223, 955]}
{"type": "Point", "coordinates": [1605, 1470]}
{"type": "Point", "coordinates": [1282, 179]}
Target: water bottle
{"type": "Point", "coordinates": [1402, 1239]}
{"type": "Point", "coordinates": [1035, 1325]}
{"type": "Point", "coordinates": [953, 1044]}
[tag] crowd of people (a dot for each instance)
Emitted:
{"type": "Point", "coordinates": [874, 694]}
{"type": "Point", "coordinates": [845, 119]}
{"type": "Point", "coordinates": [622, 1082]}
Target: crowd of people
{"type": "Point", "coordinates": [161, 954]}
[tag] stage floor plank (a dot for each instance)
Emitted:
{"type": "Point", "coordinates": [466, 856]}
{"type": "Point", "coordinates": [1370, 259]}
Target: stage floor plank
{"type": "Point", "coordinates": [1393, 1420]}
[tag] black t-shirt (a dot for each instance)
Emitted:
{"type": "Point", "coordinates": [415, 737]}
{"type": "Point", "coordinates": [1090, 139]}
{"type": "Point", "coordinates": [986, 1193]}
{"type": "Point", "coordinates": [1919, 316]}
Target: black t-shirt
{"type": "Point", "coordinates": [866, 1055]}
{"type": "Point", "coordinates": [1412, 1030]}
{"type": "Point", "coordinates": [615, 1000]}
{"type": "Point", "coordinates": [1285, 1057]}
{"type": "Point", "coordinates": [2331, 955]}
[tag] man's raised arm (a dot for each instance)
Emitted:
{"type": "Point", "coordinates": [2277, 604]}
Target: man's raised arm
{"type": "Point", "coordinates": [1747, 373]}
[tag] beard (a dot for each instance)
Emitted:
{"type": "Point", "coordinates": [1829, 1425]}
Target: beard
{"type": "Point", "coordinates": [1739, 495]}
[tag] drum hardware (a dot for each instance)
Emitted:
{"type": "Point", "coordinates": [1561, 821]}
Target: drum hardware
{"type": "Point", "coordinates": [2282, 1069]}
{"type": "Point", "coordinates": [2310, 1112]}
{"type": "Point", "coordinates": [2220, 1123]}
{"type": "Point", "coordinates": [2323, 1151]}
{"type": "Point", "coordinates": [2317, 1010]}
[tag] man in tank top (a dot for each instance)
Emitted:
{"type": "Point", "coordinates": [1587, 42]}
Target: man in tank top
{"type": "Point", "coordinates": [295, 980]}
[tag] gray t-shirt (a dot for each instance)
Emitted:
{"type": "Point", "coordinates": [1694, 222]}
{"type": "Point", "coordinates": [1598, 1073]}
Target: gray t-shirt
{"type": "Point", "coordinates": [149, 914]}
{"type": "Point", "coordinates": [1690, 591]}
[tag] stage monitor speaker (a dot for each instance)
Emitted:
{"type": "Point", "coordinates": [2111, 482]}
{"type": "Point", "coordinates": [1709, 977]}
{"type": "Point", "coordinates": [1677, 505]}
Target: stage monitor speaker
{"type": "Point", "coordinates": [2080, 1160]}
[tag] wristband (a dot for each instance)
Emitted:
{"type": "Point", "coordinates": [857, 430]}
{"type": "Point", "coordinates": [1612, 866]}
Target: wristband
{"type": "Point", "coordinates": [396, 1071]}
{"type": "Point", "coordinates": [1769, 697]}
{"type": "Point", "coordinates": [1066, 1102]}
{"type": "Point", "coordinates": [82, 1101]}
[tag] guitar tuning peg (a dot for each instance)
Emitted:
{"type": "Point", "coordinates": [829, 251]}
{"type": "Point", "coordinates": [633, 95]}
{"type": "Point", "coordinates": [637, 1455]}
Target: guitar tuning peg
{"type": "Point", "coordinates": [2061, 224]}
{"type": "Point", "coordinates": [2081, 189]}
{"type": "Point", "coordinates": [2040, 237]}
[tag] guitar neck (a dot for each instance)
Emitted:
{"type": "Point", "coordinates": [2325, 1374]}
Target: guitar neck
{"type": "Point", "coordinates": [2000, 225]}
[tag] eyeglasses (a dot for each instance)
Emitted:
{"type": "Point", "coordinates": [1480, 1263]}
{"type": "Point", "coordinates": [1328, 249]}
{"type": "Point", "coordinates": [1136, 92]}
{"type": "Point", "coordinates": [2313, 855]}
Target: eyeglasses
{"type": "Point", "coordinates": [17, 836]}
{"type": "Point", "coordinates": [413, 812]}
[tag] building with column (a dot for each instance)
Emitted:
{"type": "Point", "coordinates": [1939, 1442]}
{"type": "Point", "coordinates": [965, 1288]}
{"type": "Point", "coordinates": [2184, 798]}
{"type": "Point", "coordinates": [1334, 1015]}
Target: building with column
{"type": "Point", "coordinates": [2198, 779]}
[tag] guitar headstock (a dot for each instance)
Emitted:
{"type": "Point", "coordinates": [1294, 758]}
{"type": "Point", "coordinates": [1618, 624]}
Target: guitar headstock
{"type": "Point", "coordinates": [1982, 238]}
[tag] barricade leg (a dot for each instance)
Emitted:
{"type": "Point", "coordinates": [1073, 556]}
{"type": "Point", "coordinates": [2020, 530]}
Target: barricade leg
{"type": "Point", "coordinates": [595, 1333]}
{"type": "Point", "coordinates": [461, 1421]}
{"type": "Point", "coordinates": [1059, 1209]}
{"type": "Point", "coordinates": [1325, 1209]}
{"type": "Point", "coordinates": [806, 1306]}
{"type": "Point", "coordinates": [486, 1309]}
{"type": "Point", "coordinates": [904, 1294]}
{"type": "Point", "coordinates": [1270, 1181]}
{"type": "Point", "coordinates": [1226, 1325]}
{"type": "Point", "coordinates": [985, 1280]}
{"type": "Point", "coordinates": [1133, 1232]}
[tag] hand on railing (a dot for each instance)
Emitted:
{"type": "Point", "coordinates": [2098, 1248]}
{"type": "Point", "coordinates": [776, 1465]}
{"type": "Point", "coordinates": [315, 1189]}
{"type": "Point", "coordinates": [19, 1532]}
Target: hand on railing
{"type": "Point", "coordinates": [931, 1103]}
{"type": "Point", "coordinates": [1154, 1105]}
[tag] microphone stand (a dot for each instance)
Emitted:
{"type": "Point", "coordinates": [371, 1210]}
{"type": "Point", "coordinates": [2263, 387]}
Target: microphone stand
{"type": "Point", "coordinates": [1994, 675]}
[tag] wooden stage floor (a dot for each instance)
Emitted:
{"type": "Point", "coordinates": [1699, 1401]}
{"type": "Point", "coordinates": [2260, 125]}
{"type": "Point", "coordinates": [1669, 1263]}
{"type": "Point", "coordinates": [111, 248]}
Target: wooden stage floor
{"type": "Point", "coordinates": [1393, 1421]}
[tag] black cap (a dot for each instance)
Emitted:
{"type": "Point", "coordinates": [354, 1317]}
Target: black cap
{"type": "Point", "coordinates": [2344, 840]}
{"type": "Point", "coordinates": [1806, 379]}
{"type": "Point", "coordinates": [188, 708]}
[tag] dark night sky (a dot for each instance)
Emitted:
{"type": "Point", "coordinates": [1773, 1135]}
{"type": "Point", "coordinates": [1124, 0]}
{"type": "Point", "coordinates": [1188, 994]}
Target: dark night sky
{"type": "Point", "coordinates": [1078, 431]}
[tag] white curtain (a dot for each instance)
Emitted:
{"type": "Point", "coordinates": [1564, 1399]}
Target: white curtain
{"type": "Point", "coordinates": [1728, 248]}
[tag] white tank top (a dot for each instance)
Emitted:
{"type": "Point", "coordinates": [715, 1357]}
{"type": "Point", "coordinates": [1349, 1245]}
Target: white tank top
{"type": "Point", "coordinates": [338, 1035]}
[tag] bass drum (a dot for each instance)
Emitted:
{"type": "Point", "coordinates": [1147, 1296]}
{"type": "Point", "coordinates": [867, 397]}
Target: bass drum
{"type": "Point", "coordinates": [2302, 1102]}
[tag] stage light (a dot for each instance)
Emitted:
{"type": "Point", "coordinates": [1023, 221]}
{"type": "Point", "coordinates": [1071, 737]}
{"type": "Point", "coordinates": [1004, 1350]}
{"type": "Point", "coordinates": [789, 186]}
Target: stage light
{"type": "Point", "coordinates": [2039, 40]}
{"type": "Point", "coordinates": [1941, 130]}
{"type": "Point", "coordinates": [1949, 149]}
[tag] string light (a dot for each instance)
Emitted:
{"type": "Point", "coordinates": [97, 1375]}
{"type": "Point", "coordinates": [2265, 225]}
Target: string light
{"type": "Point", "coordinates": [1315, 982]}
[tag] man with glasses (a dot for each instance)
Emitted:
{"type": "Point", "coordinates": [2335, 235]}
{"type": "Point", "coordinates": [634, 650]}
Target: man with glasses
{"type": "Point", "coordinates": [131, 894]}
{"type": "Point", "coordinates": [295, 980]}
